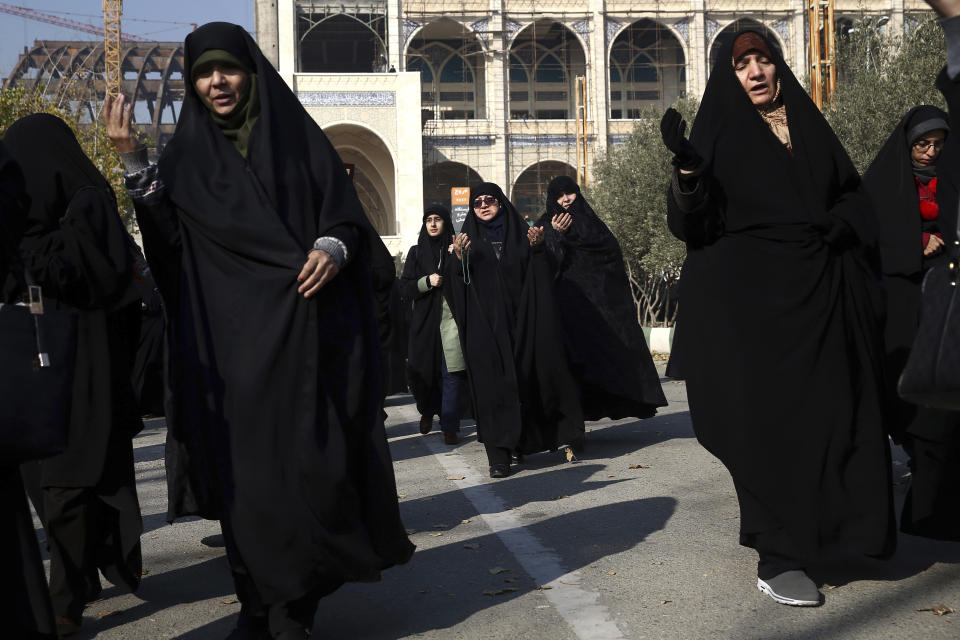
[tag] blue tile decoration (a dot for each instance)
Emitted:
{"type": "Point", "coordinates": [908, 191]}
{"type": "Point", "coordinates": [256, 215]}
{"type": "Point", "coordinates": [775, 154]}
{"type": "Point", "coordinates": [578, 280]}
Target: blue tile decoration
{"type": "Point", "coordinates": [712, 27]}
{"type": "Point", "coordinates": [481, 27]}
{"type": "Point", "coordinates": [683, 28]}
{"type": "Point", "coordinates": [583, 28]}
{"type": "Point", "coordinates": [407, 27]}
{"type": "Point", "coordinates": [347, 98]}
{"type": "Point", "coordinates": [459, 141]}
{"type": "Point", "coordinates": [612, 28]}
{"type": "Point", "coordinates": [782, 27]}
{"type": "Point", "coordinates": [545, 140]}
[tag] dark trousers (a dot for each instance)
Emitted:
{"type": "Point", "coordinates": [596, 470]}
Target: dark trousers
{"type": "Point", "coordinates": [454, 385]}
{"type": "Point", "coordinates": [278, 618]}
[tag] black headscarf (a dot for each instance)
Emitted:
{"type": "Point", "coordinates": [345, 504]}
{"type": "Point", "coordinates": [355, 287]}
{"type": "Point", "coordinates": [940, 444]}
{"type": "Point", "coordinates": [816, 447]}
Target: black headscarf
{"type": "Point", "coordinates": [68, 193]}
{"type": "Point", "coordinates": [791, 256]}
{"type": "Point", "coordinates": [250, 354]}
{"type": "Point", "coordinates": [890, 183]}
{"type": "Point", "coordinates": [14, 203]}
{"type": "Point", "coordinates": [607, 349]}
{"type": "Point", "coordinates": [424, 348]}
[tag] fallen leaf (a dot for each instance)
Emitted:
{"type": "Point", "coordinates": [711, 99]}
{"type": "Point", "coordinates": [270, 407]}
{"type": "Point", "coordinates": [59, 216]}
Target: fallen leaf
{"type": "Point", "coordinates": [456, 477]}
{"type": "Point", "coordinates": [666, 601]}
{"type": "Point", "coordinates": [108, 614]}
{"type": "Point", "coordinates": [829, 587]}
{"type": "Point", "coordinates": [401, 496]}
{"type": "Point", "coordinates": [472, 545]}
{"type": "Point", "coordinates": [939, 609]}
{"type": "Point", "coordinates": [436, 535]}
{"type": "Point", "coordinates": [467, 521]}
{"type": "Point", "coordinates": [570, 456]}
{"type": "Point", "coordinates": [497, 592]}
{"type": "Point", "coordinates": [543, 587]}
{"type": "Point", "coordinates": [560, 497]}
{"type": "Point", "coordinates": [498, 570]}
{"type": "Point", "coordinates": [611, 573]}
{"type": "Point", "coordinates": [638, 466]}
{"type": "Point", "coordinates": [609, 476]}
{"type": "Point", "coordinates": [230, 601]}
{"type": "Point", "coordinates": [144, 572]}
{"type": "Point", "coordinates": [410, 532]}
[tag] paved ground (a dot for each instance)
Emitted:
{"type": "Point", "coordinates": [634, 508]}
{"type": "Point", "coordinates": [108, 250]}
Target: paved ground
{"type": "Point", "coordinates": [637, 539]}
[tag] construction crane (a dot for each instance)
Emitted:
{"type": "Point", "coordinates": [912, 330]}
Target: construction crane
{"type": "Point", "coordinates": [112, 10]}
{"type": "Point", "coordinates": [32, 14]}
{"type": "Point", "coordinates": [823, 72]}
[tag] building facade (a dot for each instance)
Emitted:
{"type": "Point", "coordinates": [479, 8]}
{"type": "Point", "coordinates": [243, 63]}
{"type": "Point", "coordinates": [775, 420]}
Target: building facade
{"type": "Point", "coordinates": [424, 95]}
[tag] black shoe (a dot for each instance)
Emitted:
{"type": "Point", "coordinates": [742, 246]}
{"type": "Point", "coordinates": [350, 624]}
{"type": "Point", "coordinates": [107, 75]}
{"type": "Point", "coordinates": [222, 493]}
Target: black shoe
{"type": "Point", "coordinates": [426, 423]}
{"type": "Point", "coordinates": [451, 437]}
{"type": "Point", "coordinates": [516, 458]}
{"type": "Point", "coordinates": [499, 470]}
{"type": "Point", "coordinates": [66, 626]}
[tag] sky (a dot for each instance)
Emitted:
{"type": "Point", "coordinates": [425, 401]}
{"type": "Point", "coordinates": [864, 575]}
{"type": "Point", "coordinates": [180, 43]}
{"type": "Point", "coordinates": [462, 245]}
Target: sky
{"type": "Point", "coordinates": [146, 18]}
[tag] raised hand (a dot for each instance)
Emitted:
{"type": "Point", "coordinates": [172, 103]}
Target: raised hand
{"type": "Point", "coordinates": [535, 235]}
{"type": "Point", "coordinates": [561, 222]}
{"type": "Point", "coordinates": [461, 244]}
{"type": "Point", "coordinates": [673, 130]}
{"type": "Point", "coordinates": [117, 117]}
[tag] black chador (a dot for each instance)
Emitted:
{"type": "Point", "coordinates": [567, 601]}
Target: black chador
{"type": "Point", "coordinates": [913, 203]}
{"type": "Point", "coordinates": [26, 609]}
{"type": "Point", "coordinates": [779, 334]}
{"type": "Point", "coordinates": [525, 398]}
{"type": "Point", "coordinates": [274, 419]}
{"type": "Point", "coordinates": [608, 353]}
{"type": "Point", "coordinates": [76, 247]}
{"type": "Point", "coordinates": [425, 349]}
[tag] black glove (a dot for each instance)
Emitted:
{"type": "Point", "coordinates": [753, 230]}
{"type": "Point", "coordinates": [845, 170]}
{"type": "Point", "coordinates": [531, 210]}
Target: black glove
{"type": "Point", "coordinates": [672, 128]}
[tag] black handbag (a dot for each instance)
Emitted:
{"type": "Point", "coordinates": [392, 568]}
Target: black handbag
{"type": "Point", "coordinates": [37, 351]}
{"type": "Point", "coordinates": [931, 376]}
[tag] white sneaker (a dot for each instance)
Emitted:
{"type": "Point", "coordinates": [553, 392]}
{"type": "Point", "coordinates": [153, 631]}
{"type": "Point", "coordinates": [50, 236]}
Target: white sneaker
{"type": "Point", "coordinates": [794, 588]}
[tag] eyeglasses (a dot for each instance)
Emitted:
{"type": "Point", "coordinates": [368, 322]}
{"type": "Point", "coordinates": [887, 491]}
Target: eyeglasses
{"type": "Point", "coordinates": [483, 201]}
{"type": "Point", "coordinates": [924, 145]}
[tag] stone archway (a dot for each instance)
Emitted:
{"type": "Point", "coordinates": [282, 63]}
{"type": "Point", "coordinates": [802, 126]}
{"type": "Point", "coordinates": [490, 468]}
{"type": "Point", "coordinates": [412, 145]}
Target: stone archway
{"type": "Point", "coordinates": [374, 172]}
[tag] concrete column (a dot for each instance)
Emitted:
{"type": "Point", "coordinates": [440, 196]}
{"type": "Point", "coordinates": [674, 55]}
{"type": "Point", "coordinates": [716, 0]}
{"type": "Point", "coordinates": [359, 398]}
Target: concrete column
{"type": "Point", "coordinates": [287, 39]}
{"type": "Point", "coordinates": [498, 105]}
{"type": "Point", "coordinates": [896, 16]}
{"type": "Point", "coordinates": [796, 53]}
{"type": "Point", "coordinates": [266, 30]}
{"type": "Point", "coordinates": [697, 54]}
{"type": "Point", "coordinates": [394, 36]}
{"type": "Point", "coordinates": [597, 78]}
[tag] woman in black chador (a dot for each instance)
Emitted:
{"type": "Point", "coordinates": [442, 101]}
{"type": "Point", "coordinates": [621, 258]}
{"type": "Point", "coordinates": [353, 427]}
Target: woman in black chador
{"type": "Point", "coordinates": [76, 248]}
{"type": "Point", "coordinates": [436, 370]}
{"type": "Point", "coordinates": [26, 610]}
{"type": "Point", "coordinates": [779, 334]}
{"type": "Point", "coordinates": [525, 398]}
{"type": "Point", "coordinates": [915, 225]}
{"type": "Point", "coordinates": [608, 354]}
{"type": "Point", "coordinates": [262, 252]}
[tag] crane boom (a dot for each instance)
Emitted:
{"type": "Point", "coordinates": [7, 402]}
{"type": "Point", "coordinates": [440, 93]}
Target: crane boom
{"type": "Point", "coordinates": [32, 14]}
{"type": "Point", "coordinates": [112, 10]}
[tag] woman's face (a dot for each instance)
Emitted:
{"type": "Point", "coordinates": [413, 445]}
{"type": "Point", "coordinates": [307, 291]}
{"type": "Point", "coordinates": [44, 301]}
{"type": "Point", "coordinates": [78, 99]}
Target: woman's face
{"type": "Point", "coordinates": [926, 149]}
{"type": "Point", "coordinates": [220, 85]}
{"type": "Point", "coordinates": [566, 199]}
{"type": "Point", "coordinates": [486, 207]}
{"type": "Point", "coordinates": [434, 225]}
{"type": "Point", "coordinates": [758, 77]}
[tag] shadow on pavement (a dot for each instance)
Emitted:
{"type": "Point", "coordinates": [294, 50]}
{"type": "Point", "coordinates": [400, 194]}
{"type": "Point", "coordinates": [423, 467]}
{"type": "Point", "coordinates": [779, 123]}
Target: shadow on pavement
{"type": "Point", "coordinates": [443, 586]}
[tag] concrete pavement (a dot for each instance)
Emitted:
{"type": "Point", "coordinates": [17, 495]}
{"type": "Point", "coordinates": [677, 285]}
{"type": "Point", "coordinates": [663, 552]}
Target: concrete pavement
{"type": "Point", "coordinates": [637, 539]}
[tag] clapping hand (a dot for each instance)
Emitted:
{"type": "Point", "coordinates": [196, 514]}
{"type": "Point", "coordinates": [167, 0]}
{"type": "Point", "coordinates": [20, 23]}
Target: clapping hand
{"type": "Point", "coordinates": [535, 235]}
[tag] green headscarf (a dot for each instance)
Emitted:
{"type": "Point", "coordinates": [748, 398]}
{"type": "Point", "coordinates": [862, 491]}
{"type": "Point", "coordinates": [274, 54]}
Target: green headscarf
{"type": "Point", "coordinates": [237, 124]}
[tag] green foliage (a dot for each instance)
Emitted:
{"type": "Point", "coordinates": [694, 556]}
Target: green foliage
{"type": "Point", "coordinates": [629, 193]}
{"type": "Point", "coordinates": [17, 102]}
{"type": "Point", "coordinates": [880, 77]}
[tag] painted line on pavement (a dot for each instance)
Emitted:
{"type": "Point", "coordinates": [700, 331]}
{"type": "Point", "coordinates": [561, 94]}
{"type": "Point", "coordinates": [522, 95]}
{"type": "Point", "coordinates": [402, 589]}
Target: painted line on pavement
{"type": "Point", "coordinates": [579, 607]}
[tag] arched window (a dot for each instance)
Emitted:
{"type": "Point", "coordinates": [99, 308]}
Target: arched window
{"type": "Point", "coordinates": [417, 64]}
{"type": "Point", "coordinates": [341, 43]}
{"type": "Point", "coordinates": [647, 69]}
{"type": "Point", "coordinates": [545, 59]}
{"type": "Point", "coordinates": [456, 71]}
